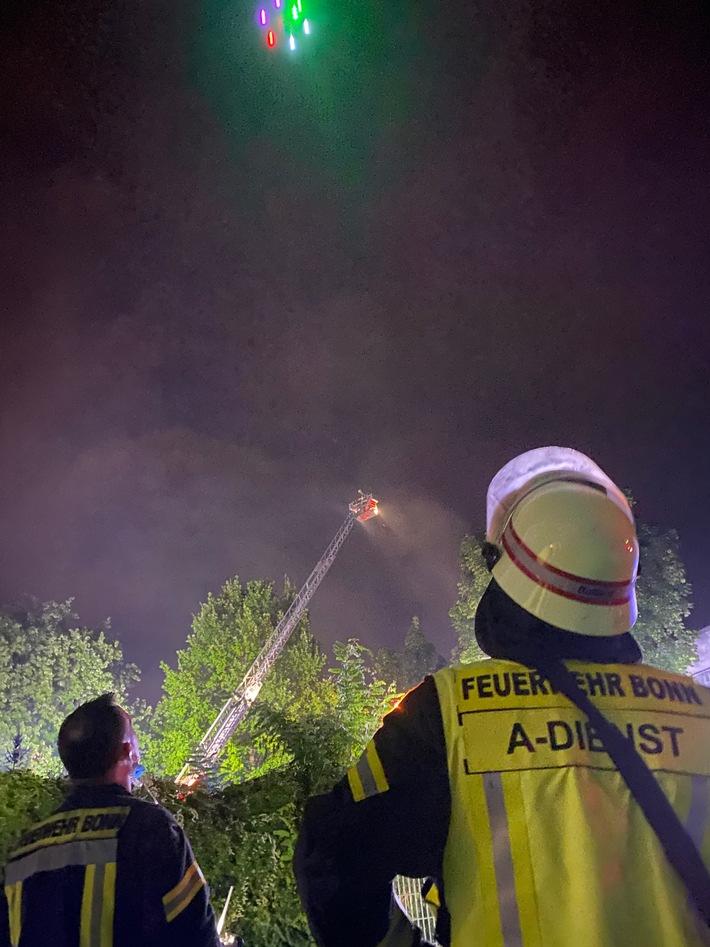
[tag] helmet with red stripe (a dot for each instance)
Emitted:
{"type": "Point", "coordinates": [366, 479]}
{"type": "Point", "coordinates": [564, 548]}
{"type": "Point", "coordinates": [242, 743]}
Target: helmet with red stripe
{"type": "Point", "coordinates": [566, 543]}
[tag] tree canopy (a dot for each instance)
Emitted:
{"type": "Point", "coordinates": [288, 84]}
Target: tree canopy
{"type": "Point", "coordinates": [363, 699]}
{"type": "Point", "coordinates": [664, 600]}
{"type": "Point", "coordinates": [228, 632]}
{"type": "Point", "coordinates": [407, 667]}
{"type": "Point", "coordinates": [48, 667]}
{"type": "Point", "coordinates": [472, 584]}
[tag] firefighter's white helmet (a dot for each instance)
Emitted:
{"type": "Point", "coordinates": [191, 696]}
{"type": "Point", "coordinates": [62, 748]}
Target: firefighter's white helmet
{"type": "Point", "coordinates": [567, 542]}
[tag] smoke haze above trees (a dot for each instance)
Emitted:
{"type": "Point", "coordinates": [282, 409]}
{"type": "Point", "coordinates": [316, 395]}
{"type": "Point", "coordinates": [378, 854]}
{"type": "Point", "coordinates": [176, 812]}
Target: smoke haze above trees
{"type": "Point", "coordinates": [215, 331]}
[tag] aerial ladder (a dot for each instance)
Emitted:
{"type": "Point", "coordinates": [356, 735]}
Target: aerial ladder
{"type": "Point", "coordinates": [237, 706]}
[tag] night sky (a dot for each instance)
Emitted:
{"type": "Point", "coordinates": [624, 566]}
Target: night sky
{"type": "Point", "coordinates": [238, 286]}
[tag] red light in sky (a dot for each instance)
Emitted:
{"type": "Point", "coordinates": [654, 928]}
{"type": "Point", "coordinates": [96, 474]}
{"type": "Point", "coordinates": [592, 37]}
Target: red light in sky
{"type": "Point", "coordinates": [270, 38]}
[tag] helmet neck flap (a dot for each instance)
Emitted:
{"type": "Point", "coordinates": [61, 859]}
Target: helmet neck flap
{"type": "Point", "coordinates": [505, 630]}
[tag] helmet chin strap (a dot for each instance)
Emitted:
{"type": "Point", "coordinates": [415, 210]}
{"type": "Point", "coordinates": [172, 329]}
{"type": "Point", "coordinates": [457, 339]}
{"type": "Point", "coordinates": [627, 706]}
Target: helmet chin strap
{"type": "Point", "coordinates": [491, 554]}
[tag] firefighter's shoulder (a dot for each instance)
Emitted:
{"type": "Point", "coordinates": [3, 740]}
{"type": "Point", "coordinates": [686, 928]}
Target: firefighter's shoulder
{"type": "Point", "coordinates": [150, 821]}
{"type": "Point", "coordinates": [412, 732]}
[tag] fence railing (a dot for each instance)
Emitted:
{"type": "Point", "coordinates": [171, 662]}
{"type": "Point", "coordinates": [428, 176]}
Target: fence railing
{"type": "Point", "coordinates": [409, 892]}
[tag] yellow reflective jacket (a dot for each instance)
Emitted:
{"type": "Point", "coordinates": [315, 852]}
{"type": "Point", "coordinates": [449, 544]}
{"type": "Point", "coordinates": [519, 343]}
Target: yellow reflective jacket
{"type": "Point", "coordinates": [546, 845]}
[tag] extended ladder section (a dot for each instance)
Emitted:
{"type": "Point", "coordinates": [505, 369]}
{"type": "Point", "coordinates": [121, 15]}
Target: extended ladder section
{"type": "Point", "coordinates": [237, 706]}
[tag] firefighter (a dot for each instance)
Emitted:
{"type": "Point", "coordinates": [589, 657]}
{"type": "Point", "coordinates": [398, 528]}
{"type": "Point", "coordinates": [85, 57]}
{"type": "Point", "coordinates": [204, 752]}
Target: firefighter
{"type": "Point", "coordinates": [507, 780]}
{"type": "Point", "coordinates": [106, 870]}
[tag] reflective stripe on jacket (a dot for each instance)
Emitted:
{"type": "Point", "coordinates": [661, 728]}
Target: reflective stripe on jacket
{"type": "Point", "coordinates": [107, 870]}
{"type": "Point", "coordinates": [546, 846]}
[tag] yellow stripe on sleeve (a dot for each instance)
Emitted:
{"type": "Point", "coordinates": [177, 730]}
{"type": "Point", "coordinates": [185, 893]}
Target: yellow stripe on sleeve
{"type": "Point", "coordinates": [355, 784]}
{"type": "Point", "coordinates": [376, 767]}
{"type": "Point", "coordinates": [188, 893]}
{"type": "Point", "coordinates": [367, 777]}
{"type": "Point", "coordinates": [179, 887]}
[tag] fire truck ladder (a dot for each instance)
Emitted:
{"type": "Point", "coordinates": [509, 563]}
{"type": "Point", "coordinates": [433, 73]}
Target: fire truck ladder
{"type": "Point", "coordinates": [237, 706]}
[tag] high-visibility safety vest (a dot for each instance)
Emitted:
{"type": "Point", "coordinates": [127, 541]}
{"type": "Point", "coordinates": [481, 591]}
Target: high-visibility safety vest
{"type": "Point", "coordinates": [547, 847]}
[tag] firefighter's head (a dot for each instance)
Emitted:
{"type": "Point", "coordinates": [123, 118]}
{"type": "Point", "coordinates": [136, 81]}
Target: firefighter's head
{"type": "Point", "coordinates": [563, 553]}
{"type": "Point", "coordinates": [97, 743]}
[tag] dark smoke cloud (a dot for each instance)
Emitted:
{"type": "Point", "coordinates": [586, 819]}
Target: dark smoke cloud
{"type": "Point", "coordinates": [220, 320]}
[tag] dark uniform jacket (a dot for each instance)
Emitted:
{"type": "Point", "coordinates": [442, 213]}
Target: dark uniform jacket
{"type": "Point", "coordinates": [106, 870]}
{"type": "Point", "coordinates": [356, 839]}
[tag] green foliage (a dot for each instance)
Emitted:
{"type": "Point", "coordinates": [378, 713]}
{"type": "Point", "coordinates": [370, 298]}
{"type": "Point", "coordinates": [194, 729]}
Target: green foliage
{"type": "Point", "coordinates": [408, 667]}
{"type": "Point", "coordinates": [227, 634]}
{"type": "Point", "coordinates": [363, 699]}
{"type": "Point", "coordinates": [25, 798]}
{"type": "Point", "coordinates": [244, 835]}
{"type": "Point", "coordinates": [17, 754]}
{"type": "Point", "coordinates": [664, 600]}
{"type": "Point", "coordinates": [473, 583]}
{"type": "Point", "coordinates": [318, 747]}
{"type": "Point", "coordinates": [663, 592]}
{"type": "Point", "coordinates": [47, 668]}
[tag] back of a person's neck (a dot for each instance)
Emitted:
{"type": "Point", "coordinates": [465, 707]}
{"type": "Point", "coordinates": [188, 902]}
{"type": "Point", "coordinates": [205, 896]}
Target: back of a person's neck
{"type": "Point", "coordinates": [102, 782]}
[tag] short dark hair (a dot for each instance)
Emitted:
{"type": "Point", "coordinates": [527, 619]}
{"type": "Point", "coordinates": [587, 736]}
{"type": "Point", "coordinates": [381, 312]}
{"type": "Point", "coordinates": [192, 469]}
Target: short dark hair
{"type": "Point", "coordinates": [90, 738]}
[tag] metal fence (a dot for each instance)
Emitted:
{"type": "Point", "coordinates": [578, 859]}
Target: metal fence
{"type": "Point", "coordinates": [409, 892]}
